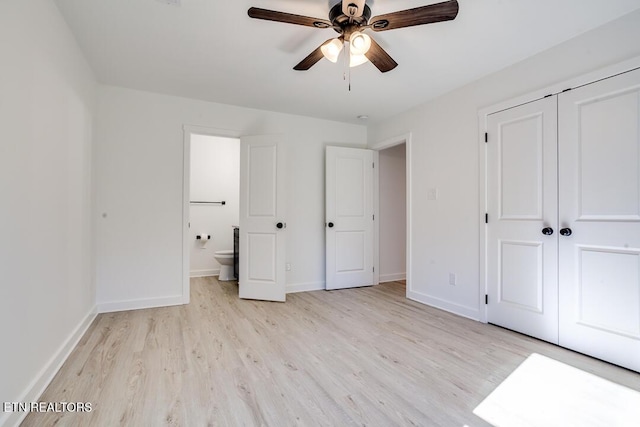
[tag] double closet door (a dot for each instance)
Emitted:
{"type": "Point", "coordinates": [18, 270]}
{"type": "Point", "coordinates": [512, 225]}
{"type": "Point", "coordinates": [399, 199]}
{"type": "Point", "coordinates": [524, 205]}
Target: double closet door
{"type": "Point", "coordinates": [563, 232]}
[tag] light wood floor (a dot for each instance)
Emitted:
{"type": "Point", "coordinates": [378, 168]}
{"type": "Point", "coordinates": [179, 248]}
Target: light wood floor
{"type": "Point", "coordinates": [363, 356]}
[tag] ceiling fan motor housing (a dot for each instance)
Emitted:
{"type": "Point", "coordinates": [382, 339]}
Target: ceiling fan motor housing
{"type": "Point", "coordinates": [342, 23]}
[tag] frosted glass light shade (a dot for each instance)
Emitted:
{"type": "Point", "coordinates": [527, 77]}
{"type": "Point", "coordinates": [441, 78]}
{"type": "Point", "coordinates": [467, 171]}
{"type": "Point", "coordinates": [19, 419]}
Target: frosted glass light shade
{"type": "Point", "coordinates": [360, 43]}
{"type": "Point", "coordinates": [331, 50]}
{"type": "Point", "coordinates": [355, 60]}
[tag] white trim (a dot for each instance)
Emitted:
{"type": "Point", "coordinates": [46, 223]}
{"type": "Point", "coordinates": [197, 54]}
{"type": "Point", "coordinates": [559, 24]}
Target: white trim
{"type": "Point", "coordinates": [391, 142]}
{"type": "Point", "coordinates": [388, 143]}
{"type": "Point", "coordinates": [452, 307]}
{"type": "Point", "coordinates": [572, 83]}
{"type": "Point", "coordinates": [376, 215]}
{"type": "Point", "coordinates": [43, 378]}
{"type": "Point", "coordinates": [305, 287]}
{"type": "Point", "coordinates": [204, 273]}
{"type": "Point", "coordinates": [186, 189]}
{"type": "Point", "coordinates": [482, 206]}
{"type": "Point", "coordinates": [483, 113]}
{"type": "Point", "coordinates": [409, 243]}
{"type": "Point", "coordinates": [189, 130]}
{"type": "Point", "coordinates": [393, 277]}
{"type": "Point", "coordinates": [138, 304]}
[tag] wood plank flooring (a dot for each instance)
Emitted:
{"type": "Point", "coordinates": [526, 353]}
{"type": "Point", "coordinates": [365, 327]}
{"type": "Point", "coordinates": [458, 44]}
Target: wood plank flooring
{"type": "Point", "coordinates": [364, 356]}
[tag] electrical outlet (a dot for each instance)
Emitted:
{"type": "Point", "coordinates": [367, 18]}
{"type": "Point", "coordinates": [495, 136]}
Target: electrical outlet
{"type": "Point", "coordinates": [452, 279]}
{"type": "Point", "coordinates": [287, 266]}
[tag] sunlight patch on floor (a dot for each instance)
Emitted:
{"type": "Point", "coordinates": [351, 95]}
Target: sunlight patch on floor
{"type": "Point", "coordinates": [545, 392]}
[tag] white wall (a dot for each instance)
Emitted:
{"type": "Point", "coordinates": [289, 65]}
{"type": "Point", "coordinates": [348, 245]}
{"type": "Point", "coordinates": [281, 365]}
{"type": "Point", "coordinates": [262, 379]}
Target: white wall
{"type": "Point", "coordinates": [445, 155]}
{"type": "Point", "coordinates": [139, 172]}
{"type": "Point", "coordinates": [215, 176]}
{"type": "Point", "coordinates": [392, 212]}
{"type": "Point", "coordinates": [46, 109]}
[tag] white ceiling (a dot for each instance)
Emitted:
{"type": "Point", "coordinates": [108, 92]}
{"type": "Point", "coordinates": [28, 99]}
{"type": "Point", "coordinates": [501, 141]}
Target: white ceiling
{"type": "Point", "coordinates": [211, 50]}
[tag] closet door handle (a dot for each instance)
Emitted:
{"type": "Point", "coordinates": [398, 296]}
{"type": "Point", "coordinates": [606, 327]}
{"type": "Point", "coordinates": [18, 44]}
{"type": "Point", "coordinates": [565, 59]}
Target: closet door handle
{"type": "Point", "coordinates": [280, 225]}
{"type": "Point", "coordinates": [547, 231]}
{"type": "Point", "coordinates": [330, 225]}
{"type": "Point", "coordinates": [566, 232]}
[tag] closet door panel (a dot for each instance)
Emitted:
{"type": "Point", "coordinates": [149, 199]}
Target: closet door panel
{"type": "Point", "coordinates": [599, 202]}
{"type": "Point", "coordinates": [522, 201]}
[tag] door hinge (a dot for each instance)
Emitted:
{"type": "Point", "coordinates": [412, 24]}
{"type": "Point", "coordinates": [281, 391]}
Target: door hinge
{"type": "Point", "coordinates": [486, 218]}
{"type": "Point", "coordinates": [486, 298]}
{"type": "Point", "coordinates": [189, 225]}
{"type": "Point", "coordinates": [373, 217]}
{"type": "Point", "coordinates": [486, 137]}
{"type": "Point", "coordinates": [373, 165]}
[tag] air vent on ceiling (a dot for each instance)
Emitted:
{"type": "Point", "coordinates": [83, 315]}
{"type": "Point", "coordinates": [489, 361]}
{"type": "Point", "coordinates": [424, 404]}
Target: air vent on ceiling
{"type": "Point", "coordinates": [170, 2]}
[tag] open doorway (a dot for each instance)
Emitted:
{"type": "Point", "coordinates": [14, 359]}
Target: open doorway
{"type": "Point", "coordinates": [211, 199]}
{"type": "Point", "coordinates": [392, 211]}
{"type": "Point", "coordinates": [392, 194]}
{"type": "Point", "coordinates": [214, 205]}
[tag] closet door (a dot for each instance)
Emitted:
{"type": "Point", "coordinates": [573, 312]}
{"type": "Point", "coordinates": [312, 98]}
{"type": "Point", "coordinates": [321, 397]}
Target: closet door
{"type": "Point", "coordinates": [522, 256]}
{"type": "Point", "coordinates": [599, 201]}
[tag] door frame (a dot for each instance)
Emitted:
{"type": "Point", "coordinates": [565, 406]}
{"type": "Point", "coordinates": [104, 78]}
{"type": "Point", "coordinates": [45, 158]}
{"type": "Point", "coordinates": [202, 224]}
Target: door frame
{"type": "Point", "coordinates": [189, 130]}
{"type": "Point", "coordinates": [483, 116]}
{"type": "Point", "coordinates": [377, 147]}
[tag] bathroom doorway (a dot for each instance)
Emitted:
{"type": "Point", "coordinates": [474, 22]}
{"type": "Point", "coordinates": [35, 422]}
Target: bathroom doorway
{"type": "Point", "coordinates": [214, 200]}
{"type": "Point", "coordinates": [211, 200]}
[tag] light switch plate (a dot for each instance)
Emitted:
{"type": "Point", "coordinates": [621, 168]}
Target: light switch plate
{"type": "Point", "coordinates": [432, 194]}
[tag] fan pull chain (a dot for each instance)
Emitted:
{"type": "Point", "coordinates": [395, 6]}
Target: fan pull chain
{"type": "Point", "coordinates": [347, 59]}
{"type": "Point", "coordinates": [344, 61]}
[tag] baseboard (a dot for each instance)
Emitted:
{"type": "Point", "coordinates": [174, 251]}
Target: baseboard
{"type": "Point", "coordinates": [50, 369]}
{"type": "Point", "coordinates": [204, 273]}
{"type": "Point", "coordinates": [452, 307]}
{"type": "Point", "coordinates": [138, 304]}
{"type": "Point", "coordinates": [393, 277]}
{"type": "Point", "coordinates": [305, 287]}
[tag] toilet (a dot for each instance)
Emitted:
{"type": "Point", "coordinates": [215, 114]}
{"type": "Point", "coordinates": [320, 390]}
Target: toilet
{"type": "Point", "coordinates": [225, 259]}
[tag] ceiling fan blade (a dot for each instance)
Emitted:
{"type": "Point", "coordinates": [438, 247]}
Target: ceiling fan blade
{"type": "Point", "coordinates": [380, 58]}
{"type": "Point", "coordinates": [288, 18]}
{"type": "Point", "coordinates": [348, 7]}
{"type": "Point", "coordinates": [438, 12]}
{"type": "Point", "coordinates": [312, 59]}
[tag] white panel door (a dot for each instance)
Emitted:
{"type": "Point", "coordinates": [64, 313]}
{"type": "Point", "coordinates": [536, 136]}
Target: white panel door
{"type": "Point", "coordinates": [262, 226]}
{"type": "Point", "coordinates": [349, 217]}
{"type": "Point", "coordinates": [522, 210]}
{"type": "Point", "coordinates": [599, 198]}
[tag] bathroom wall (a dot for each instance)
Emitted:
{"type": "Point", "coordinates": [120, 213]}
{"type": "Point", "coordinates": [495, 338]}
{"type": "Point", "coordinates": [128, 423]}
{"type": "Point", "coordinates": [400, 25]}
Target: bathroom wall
{"type": "Point", "coordinates": [47, 105]}
{"type": "Point", "coordinates": [215, 176]}
{"type": "Point", "coordinates": [392, 212]}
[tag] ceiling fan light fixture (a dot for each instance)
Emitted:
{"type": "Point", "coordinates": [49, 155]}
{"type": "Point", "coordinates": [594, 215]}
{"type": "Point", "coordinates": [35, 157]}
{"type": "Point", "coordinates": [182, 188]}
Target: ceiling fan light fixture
{"type": "Point", "coordinates": [355, 60]}
{"type": "Point", "coordinates": [332, 49]}
{"type": "Point", "coordinates": [360, 43]}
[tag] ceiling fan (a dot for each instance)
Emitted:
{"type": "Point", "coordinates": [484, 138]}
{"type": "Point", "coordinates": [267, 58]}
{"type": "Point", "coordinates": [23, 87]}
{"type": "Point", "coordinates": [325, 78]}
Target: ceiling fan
{"type": "Point", "coordinates": [349, 18]}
